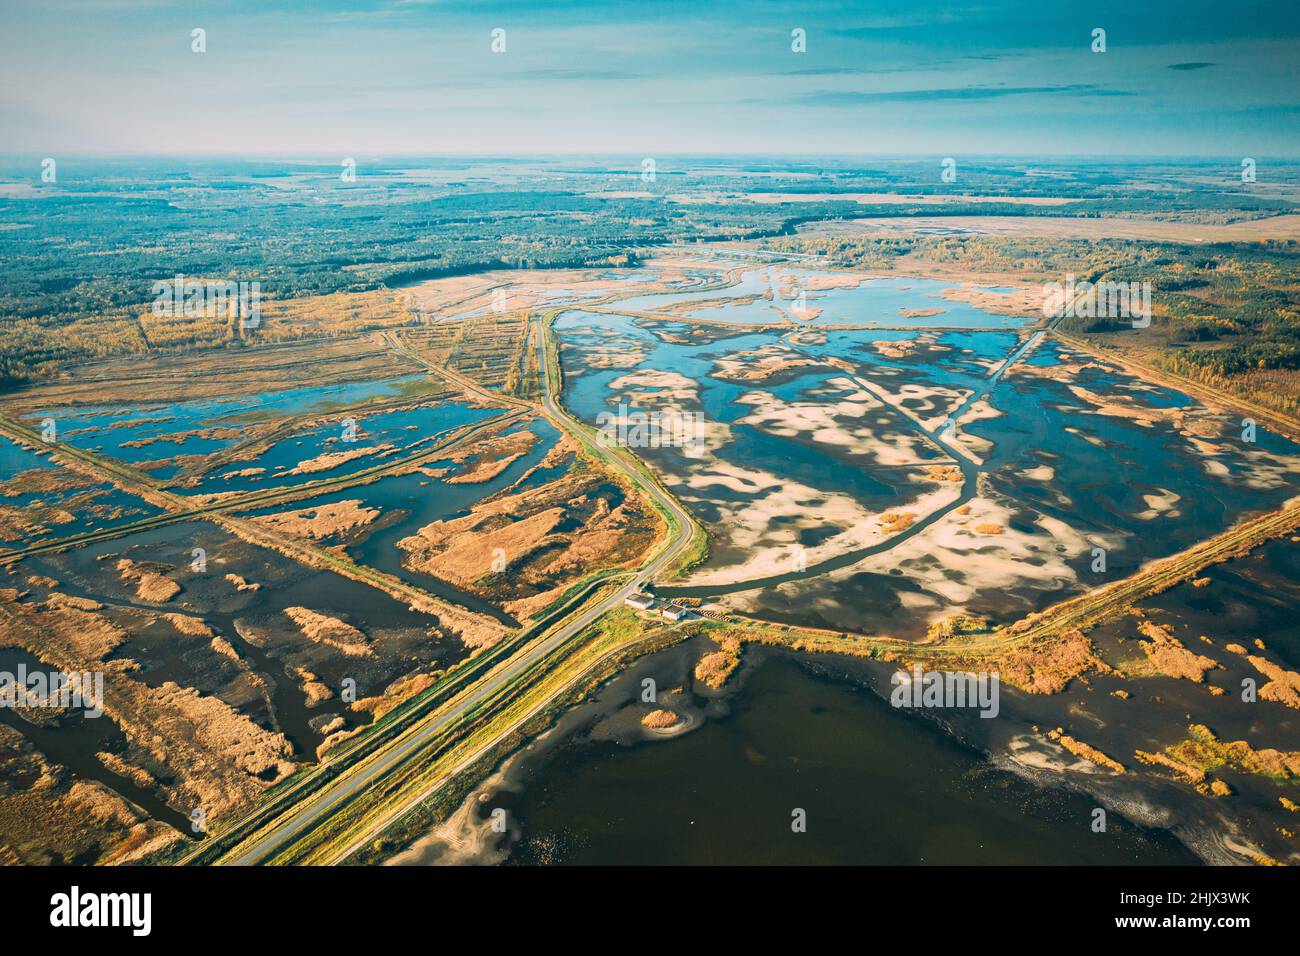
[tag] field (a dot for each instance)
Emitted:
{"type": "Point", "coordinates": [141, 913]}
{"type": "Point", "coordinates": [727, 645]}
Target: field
{"type": "Point", "coordinates": [387, 520]}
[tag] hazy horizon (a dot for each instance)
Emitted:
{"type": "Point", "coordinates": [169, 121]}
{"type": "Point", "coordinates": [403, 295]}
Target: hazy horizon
{"type": "Point", "coordinates": [308, 158]}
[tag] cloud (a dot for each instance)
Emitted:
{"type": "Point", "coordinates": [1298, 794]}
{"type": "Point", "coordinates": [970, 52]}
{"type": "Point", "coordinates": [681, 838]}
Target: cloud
{"type": "Point", "coordinates": [853, 98]}
{"type": "Point", "coordinates": [827, 71]}
{"type": "Point", "coordinates": [919, 66]}
{"type": "Point", "coordinates": [577, 75]}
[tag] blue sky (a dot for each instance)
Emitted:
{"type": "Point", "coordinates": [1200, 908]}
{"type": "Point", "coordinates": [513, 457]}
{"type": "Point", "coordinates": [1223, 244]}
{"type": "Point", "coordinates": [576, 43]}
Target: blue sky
{"type": "Point", "coordinates": [404, 76]}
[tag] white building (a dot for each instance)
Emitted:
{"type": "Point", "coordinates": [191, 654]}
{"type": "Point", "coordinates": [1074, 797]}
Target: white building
{"type": "Point", "coordinates": [640, 601]}
{"type": "Point", "coordinates": [672, 612]}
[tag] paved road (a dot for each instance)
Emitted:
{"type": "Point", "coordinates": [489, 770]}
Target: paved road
{"type": "Point", "coordinates": [356, 779]}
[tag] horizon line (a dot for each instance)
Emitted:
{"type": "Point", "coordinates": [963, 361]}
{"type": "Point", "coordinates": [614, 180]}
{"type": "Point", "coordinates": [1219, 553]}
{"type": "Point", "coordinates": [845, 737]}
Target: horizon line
{"type": "Point", "coordinates": [317, 155]}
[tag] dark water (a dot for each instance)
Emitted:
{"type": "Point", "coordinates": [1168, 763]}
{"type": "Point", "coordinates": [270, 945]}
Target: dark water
{"type": "Point", "coordinates": [108, 429]}
{"type": "Point", "coordinates": [75, 739]}
{"type": "Point", "coordinates": [878, 786]}
{"type": "Point", "coordinates": [284, 584]}
{"type": "Point", "coordinates": [96, 505]}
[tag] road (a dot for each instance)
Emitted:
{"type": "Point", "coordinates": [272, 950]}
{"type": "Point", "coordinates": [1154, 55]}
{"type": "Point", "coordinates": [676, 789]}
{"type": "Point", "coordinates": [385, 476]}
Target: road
{"type": "Point", "coordinates": [356, 779]}
{"type": "Point", "coordinates": [369, 771]}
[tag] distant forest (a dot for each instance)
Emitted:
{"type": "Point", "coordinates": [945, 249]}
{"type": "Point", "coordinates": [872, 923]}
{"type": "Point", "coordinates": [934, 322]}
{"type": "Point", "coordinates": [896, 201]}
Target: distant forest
{"type": "Point", "coordinates": [77, 262]}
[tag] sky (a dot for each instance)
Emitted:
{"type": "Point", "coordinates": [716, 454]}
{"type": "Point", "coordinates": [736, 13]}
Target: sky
{"type": "Point", "coordinates": [655, 77]}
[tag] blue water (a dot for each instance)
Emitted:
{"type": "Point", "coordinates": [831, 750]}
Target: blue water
{"type": "Point", "coordinates": [91, 506]}
{"type": "Point", "coordinates": [109, 430]}
{"type": "Point", "coordinates": [405, 429]}
{"type": "Point", "coordinates": [1102, 486]}
{"type": "Point", "coordinates": [872, 302]}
